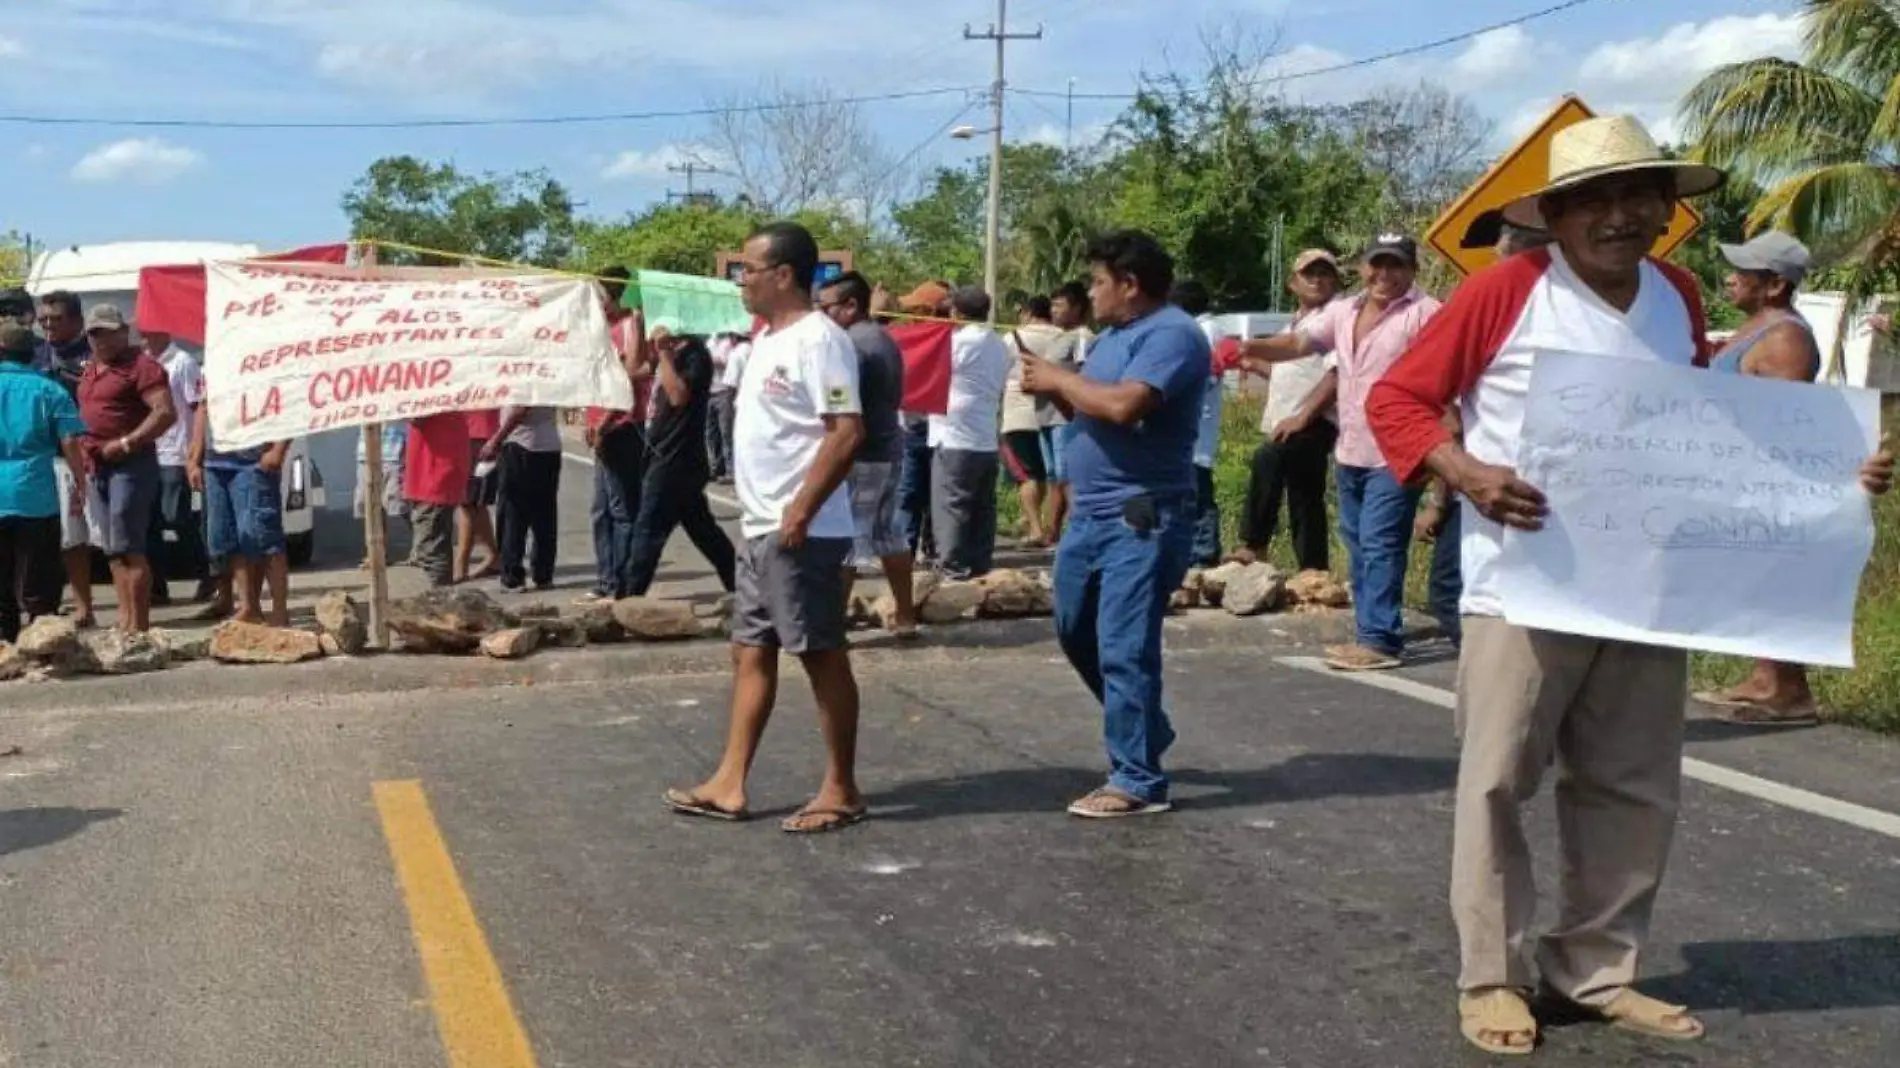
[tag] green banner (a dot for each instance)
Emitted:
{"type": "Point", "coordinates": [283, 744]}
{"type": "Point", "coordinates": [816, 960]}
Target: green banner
{"type": "Point", "coordinates": [688, 304]}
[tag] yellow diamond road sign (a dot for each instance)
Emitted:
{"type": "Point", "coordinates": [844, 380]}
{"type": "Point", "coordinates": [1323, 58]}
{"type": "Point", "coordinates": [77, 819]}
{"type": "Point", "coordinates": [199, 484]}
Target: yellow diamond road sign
{"type": "Point", "coordinates": [1522, 169]}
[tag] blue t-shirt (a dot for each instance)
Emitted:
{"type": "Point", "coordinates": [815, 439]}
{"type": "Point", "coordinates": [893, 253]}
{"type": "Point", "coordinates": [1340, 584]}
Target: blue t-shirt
{"type": "Point", "coordinates": [36, 414]}
{"type": "Point", "coordinates": [1110, 465]}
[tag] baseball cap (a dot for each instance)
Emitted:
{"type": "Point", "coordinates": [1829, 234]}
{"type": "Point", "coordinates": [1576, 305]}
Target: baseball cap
{"type": "Point", "coordinates": [925, 298]}
{"type": "Point", "coordinates": [1398, 245]}
{"type": "Point", "coordinates": [1312, 256]}
{"type": "Point", "coordinates": [1774, 252]}
{"type": "Point", "coordinates": [105, 317]}
{"type": "Point", "coordinates": [16, 340]}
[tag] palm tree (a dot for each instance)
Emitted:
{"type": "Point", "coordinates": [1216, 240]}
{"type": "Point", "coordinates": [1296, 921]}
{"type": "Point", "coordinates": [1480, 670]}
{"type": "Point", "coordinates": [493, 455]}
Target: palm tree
{"type": "Point", "coordinates": [1821, 138]}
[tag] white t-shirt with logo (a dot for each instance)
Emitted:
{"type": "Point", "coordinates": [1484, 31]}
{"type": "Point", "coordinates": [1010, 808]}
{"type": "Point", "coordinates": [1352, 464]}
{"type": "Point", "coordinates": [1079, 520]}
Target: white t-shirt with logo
{"type": "Point", "coordinates": [188, 391]}
{"type": "Point", "coordinates": [792, 380]}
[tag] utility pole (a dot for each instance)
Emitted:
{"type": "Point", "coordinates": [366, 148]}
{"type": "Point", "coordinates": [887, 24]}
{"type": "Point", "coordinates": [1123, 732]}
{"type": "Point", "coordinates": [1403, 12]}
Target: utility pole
{"type": "Point", "coordinates": [690, 169]}
{"type": "Point", "coordinates": [1068, 131]}
{"type": "Point", "coordinates": [1001, 35]}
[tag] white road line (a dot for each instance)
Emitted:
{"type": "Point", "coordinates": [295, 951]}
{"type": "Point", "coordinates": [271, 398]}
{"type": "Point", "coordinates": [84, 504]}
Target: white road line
{"type": "Point", "coordinates": [716, 498]}
{"type": "Point", "coordinates": [1775, 793]}
{"type": "Point", "coordinates": [578, 458]}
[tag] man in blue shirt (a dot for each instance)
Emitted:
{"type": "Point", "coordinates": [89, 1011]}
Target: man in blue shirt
{"type": "Point", "coordinates": [1136, 406]}
{"type": "Point", "coordinates": [38, 421]}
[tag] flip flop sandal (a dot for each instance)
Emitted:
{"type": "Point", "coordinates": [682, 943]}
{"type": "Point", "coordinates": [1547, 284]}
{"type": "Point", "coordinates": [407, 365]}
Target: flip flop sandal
{"type": "Point", "coordinates": [1498, 1011]}
{"type": "Point", "coordinates": [1721, 699]}
{"type": "Point", "coordinates": [1129, 806]}
{"type": "Point", "coordinates": [830, 819]}
{"type": "Point", "coordinates": [1644, 1015]}
{"type": "Point", "coordinates": [686, 804]}
{"type": "Point", "coordinates": [1753, 714]}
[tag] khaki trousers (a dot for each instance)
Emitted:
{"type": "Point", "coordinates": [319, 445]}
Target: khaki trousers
{"type": "Point", "coordinates": [1610, 714]}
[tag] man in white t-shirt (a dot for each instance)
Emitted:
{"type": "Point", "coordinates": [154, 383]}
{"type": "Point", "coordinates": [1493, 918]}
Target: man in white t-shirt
{"type": "Point", "coordinates": [798, 427]}
{"type": "Point", "coordinates": [728, 359]}
{"type": "Point", "coordinates": [965, 439]}
{"type": "Point", "coordinates": [173, 514]}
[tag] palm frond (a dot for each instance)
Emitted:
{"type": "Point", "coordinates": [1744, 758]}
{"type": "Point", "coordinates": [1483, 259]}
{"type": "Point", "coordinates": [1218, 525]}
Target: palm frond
{"type": "Point", "coordinates": [1740, 105]}
{"type": "Point", "coordinates": [1857, 40]}
{"type": "Point", "coordinates": [1833, 208]}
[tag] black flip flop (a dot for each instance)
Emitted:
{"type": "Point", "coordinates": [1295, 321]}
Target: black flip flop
{"type": "Point", "coordinates": [686, 804]}
{"type": "Point", "coordinates": [843, 817]}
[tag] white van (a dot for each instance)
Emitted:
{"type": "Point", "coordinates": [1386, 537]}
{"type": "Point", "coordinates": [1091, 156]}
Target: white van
{"type": "Point", "coordinates": [109, 274]}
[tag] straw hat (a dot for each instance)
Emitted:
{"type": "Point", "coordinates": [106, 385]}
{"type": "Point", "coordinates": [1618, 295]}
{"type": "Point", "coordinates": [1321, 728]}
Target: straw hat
{"type": "Point", "coordinates": [1599, 148]}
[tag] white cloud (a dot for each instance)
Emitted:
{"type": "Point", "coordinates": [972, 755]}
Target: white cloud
{"type": "Point", "coordinates": [11, 48]}
{"type": "Point", "coordinates": [144, 160]}
{"type": "Point", "coordinates": [1494, 57]}
{"type": "Point", "coordinates": [1657, 69]}
{"type": "Point", "coordinates": [655, 165]}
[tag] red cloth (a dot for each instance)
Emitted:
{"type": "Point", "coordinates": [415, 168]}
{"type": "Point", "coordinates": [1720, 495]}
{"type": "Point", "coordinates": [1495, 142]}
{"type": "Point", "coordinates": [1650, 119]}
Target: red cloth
{"type": "Point", "coordinates": [483, 424]}
{"type": "Point", "coordinates": [1226, 356]}
{"type": "Point", "coordinates": [608, 418]}
{"type": "Point", "coordinates": [437, 462]}
{"type": "Point", "coordinates": [112, 397]}
{"type": "Point", "coordinates": [926, 349]}
{"type": "Point", "coordinates": [172, 298]}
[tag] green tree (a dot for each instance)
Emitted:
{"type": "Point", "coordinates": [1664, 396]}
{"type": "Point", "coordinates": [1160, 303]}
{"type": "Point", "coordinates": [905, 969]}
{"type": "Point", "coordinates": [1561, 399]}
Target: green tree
{"type": "Point", "coordinates": [14, 264]}
{"type": "Point", "coordinates": [682, 238]}
{"type": "Point", "coordinates": [520, 218]}
{"type": "Point", "coordinates": [1820, 137]}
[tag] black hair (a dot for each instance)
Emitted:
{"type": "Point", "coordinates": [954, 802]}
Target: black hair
{"type": "Point", "coordinates": [65, 300]}
{"type": "Point", "coordinates": [1133, 254]}
{"type": "Point", "coordinates": [791, 245]}
{"type": "Point", "coordinates": [614, 280]}
{"type": "Point", "coordinates": [1076, 293]}
{"type": "Point", "coordinates": [852, 288]}
{"type": "Point", "coordinates": [971, 302]}
{"type": "Point", "coordinates": [15, 303]}
{"type": "Point", "coordinates": [1191, 296]}
{"type": "Point", "coordinates": [1039, 308]}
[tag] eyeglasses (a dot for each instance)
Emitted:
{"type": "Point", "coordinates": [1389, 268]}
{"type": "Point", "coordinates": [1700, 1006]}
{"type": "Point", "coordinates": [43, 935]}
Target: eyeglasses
{"type": "Point", "coordinates": [747, 270]}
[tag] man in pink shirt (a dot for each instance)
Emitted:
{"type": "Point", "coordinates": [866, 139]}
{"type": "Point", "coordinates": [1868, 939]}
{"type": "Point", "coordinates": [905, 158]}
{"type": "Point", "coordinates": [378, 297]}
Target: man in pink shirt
{"type": "Point", "coordinates": [1364, 337]}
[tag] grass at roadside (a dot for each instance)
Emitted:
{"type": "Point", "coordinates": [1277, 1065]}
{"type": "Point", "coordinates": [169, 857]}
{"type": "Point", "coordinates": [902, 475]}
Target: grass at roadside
{"type": "Point", "coordinates": [1868, 696]}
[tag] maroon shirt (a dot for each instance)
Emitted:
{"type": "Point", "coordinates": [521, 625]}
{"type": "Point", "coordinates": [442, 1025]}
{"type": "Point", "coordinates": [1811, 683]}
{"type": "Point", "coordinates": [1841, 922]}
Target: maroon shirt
{"type": "Point", "coordinates": [112, 398]}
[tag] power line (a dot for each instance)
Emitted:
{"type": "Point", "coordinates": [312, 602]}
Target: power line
{"type": "Point", "coordinates": [423, 124]}
{"type": "Point", "coordinates": [1367, 61]}
{"type": "Point", "coordinates": [917, 150]}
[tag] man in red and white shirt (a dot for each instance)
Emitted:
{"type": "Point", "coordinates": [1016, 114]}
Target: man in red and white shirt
{"type": "Point", "coordinates": [619, 443]}
{"type": "Point", "coordinates": [1608, 713]}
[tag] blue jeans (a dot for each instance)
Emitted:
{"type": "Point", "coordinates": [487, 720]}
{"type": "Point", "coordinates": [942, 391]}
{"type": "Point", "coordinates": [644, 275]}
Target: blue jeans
{"type": "Point", "coordinates": [1375, 522]}
{"type": "Point", "coordinates": [244, 512]}
{"type": "Point", "coordinates": [1206, 519]}
{"type": "Point", "coordinates": [1448, 577]}
{"type": "Point", "coordinates": [619, 463]}
{"type": "Point", "coordinates": [1112, 585]}
{"type": "Point", "coordinates": [913, 491]}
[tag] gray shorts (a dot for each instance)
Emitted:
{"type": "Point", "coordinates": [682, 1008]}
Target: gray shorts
{"type": "Point", "coordinates": [874, 508]}
{"type": "Point", "coordinates": [791, 600]}
{"type": "Point", "coordinates": [120, 498]}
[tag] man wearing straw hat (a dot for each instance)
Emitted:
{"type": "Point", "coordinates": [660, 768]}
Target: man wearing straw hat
{"type": "Point", "coordinates": [1609, 714]}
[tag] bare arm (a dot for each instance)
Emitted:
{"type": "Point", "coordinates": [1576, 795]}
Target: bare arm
{"type": "Point", "coordinates": [158, 420]}
{"type": "Point", "coordinates": [1120, 403]}
{"type": "Point", "coordinates": [843, 434]}
{"type": "Point", "coordinates": [675, 385]}
{"type": "Point", "coordinates": [1260, 354]}
{"type": "Point", "coordinates": [273, 459]}
{"type": "Point", "coordinates": [1786, 352]}
{"type": "Point", "coordinates": [75, 456]}
{"type": "Point", "coordinates": [512, 416]}
{"type": "Point", "coordinates": [195, 453]}
{"type": "Point", "coordinates": [1324, 395]}
{"type": "Point", "coordinates": [1496, 492]}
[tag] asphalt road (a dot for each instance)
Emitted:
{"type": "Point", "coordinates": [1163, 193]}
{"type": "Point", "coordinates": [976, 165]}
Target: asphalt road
{"type": "Point", "coordinates": [398, 862]}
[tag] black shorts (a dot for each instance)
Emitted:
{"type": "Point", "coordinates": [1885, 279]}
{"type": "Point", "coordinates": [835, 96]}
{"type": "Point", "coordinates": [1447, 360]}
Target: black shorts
{"type": "Point", "coordinates": [1022, 456]}
{"type": "Point", "coordinates": [482, 491]}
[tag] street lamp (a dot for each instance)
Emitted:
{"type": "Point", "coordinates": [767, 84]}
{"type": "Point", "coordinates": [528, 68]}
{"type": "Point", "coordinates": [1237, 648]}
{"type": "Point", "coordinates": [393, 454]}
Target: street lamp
{"type": "Point", "coordinates": [993, 226]}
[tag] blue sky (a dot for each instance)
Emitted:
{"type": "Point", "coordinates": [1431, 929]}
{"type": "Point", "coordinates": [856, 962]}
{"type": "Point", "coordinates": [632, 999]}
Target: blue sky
{"type": "Point", "coordinates": [348, 60]}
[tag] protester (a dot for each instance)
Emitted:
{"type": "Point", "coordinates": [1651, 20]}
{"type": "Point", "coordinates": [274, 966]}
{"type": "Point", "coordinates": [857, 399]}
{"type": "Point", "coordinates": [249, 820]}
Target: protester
{"type": "Point", "coordinates": [63, 356]}
{"type": "Point", "coordinates": [1192, 297]}
{"type": "Point", "coordinates": [475, 519]}
{"type": "Point", "coordinates": [964, 441]}
{"type": "Point", "coordinates": [1022, 452]}
{"type": "Point", "coordinates": [1609, 714]}
{"type": "Point", "coordinates": [931, 299]}
{"type": "Point", "coordinates": [526, 446]}
{"type": "Point", "coordinates": [175, 513]}
{"type": "Point", "coordinates": [1069, 312]}
{"type": "Point", "coordinates": [244, 521]}
{"type": "Point", "coordinates": [1365, 336]}
{"type": "Point", "coordinates": [125, 400]}
{"type": "Point", "coordinates": [1301, 429]}
{"type": "Point", "coordinates": [1041, 337]}
{"type": "Point", "coordinates": [798, 428]}
{"type": "Point", "coordinates": [38, 422]}
{"type": "Point", "coordinates": [395, 442]}
{"type": "Point", "coordinates": [436, 469]}
{"type": "Point", "coordinates": [1774, 342]}
{"type": "Point", "coordinates": [618, 440]}
{"type": "Point", "coordinates": [1136, 407]}
{"type": "Point", "coordinates": [880, 540]}
{"type": "Point", "coordinates": [673, 493]}
{"type": "Point", "coordinates": [720, 409]}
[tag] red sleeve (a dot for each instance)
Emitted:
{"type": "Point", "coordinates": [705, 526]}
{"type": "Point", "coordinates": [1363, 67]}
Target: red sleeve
{"type": "Point", "coordinates": [1691, 290]}
{"type": "Point", "coordinates": [1446, 359]}
{"type": "Point", "coordinates": [149, 375]}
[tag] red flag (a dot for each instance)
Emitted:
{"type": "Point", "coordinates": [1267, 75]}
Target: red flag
{"type": "Point", "coordinates": [926, 348]}
{"type": "Point", "coordinates": [1226, 356]}
{"type": "Point", "coordinates": [172, 298]}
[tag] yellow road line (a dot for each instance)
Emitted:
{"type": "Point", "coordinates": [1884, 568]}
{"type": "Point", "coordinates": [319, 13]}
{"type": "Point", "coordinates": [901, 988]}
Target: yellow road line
{"type": "Point", "coordinates": [472, 1011]}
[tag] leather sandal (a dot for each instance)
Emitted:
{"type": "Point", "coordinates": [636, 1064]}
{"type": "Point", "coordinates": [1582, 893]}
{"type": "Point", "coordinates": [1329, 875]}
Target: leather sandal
{"type": "Point", "coordinates": [1489, 1018]}
{"type": "Point", "coordinates": [1645, 1015]}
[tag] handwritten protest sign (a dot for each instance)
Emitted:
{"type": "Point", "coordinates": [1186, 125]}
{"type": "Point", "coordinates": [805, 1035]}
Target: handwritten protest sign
{"type": "Point", "coordinates": [1693, 509]}
{"type": "Point", "coordinates": [295, 349]}
{"type": "Point", "coordinates": [704, 306]}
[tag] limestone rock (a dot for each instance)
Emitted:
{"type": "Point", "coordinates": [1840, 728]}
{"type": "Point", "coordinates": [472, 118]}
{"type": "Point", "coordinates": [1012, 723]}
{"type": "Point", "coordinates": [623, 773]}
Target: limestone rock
{"type": "Point", "coordinates": [329, 645]}
{"type": "Point", "coordinates": [13, 663]}
{"type": "Point", "coordinates": [537, 610]}
{"type": "Point", "coordinates": [1318, 589]}
{"type": "Point", "coordinates": [53, 642]}
{"type": "Point", "coordinates": [923, 584]}
{"type": "Point", "coordinates": [116, 653]}
{"type": "Point", "coordinates": [1214, 582]}
{"type": "Point", "coordinates": [1196, 576]}
{"type": "Point", "coordinates": [951, 601]}
{"type": "Point", "coordinates": [512, 644]}
{"type": "Point", "coordinates": [344, 620]}
{"type": "Point", "coordinates": [1184, 599]}
{"type": "Point", "coordinates": [885, 609]}
{"type": "Point", "coordinates": [447, 621]}
{"type": "Point", "coordinates": [657, 621]}
{"type": "Point", "coordinates": [560, 633]}
{"type": "Point", "coordinates": [860, 613]}
{"type": "Point", "coordinates": [1013, 595]}
{"type": "Point", "coordinates": [184, 646]}
{"type": "Point", "coordinates": [600, 625]}
{"type": "Point", "coordinates": [254, 643]}
{"type": "Point", "coordinates": [1255, 589]}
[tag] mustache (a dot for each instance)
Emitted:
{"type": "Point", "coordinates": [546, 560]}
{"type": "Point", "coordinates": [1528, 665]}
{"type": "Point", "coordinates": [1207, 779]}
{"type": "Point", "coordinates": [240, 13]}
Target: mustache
{"type": "Point", "coordinates": [1625, 233]}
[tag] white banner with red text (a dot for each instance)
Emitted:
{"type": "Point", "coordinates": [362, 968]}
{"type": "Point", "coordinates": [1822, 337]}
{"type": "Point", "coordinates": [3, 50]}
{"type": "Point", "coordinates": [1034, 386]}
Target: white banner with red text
{"type": "Point", "coordinates": [294, 349]}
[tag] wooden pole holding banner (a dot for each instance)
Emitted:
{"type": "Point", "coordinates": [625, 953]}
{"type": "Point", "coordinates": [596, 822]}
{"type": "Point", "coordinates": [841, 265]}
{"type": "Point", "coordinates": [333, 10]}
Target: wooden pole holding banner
{"type": "Point", "coordinates": [375, 523]}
